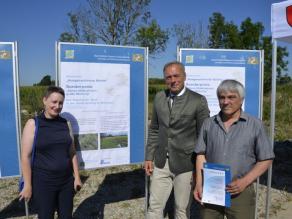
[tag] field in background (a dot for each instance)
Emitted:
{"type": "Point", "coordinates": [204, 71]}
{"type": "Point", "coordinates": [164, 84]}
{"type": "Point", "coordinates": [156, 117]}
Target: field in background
{"type": "Point", "coordinates": [31, 102]}
{"type": "Point", "coordinates": [283, 126]}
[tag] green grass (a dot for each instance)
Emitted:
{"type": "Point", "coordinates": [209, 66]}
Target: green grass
{"type": "Point", "coordinates": [31, 101]}
{"type": "Point", "coordinates": [155, 85]}
{"type": "Point", "coordinates": [283, 116]}
{"type": "Point", "coordinates": [31, 98]}
{"type": "Point", "coordinates": [113, 142]}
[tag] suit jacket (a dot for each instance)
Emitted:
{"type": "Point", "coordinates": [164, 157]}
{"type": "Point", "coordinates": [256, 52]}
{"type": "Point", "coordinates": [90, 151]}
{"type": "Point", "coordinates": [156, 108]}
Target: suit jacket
{"type": "Point", "coordinates": [174, 131]}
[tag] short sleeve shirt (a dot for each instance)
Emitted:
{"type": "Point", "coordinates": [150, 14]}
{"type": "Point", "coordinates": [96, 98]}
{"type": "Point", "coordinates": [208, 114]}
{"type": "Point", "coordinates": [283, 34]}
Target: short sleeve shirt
{"type": "Point", "coordinates": [245, 143]}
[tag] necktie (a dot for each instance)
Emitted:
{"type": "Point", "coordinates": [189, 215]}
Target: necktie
{"type": "Point", "coordinates": [171, 99]}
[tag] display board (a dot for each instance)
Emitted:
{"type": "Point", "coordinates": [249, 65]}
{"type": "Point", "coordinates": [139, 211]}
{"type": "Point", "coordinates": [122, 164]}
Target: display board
{"type": "Point", "coordinates": [206, 68]}
{"type": "Point", "coordinates": [9, 128]}
{"type": "Point", "coordinates": [105, 101]}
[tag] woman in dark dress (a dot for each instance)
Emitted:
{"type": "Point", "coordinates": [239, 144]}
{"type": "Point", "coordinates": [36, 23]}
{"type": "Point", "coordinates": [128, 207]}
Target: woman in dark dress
{"type": "Point", "coordinates": [54, 176]}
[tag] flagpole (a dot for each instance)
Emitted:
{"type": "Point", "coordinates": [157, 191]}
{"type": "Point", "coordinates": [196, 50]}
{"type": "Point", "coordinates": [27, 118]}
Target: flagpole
{"type": "Point", "coordinates": [272, 121]}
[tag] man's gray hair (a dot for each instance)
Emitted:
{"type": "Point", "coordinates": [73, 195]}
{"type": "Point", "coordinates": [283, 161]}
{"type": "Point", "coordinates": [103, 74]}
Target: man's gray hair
{"type": "Point", "coordinates": [231, 86]}
{"type": "Point", "coordinates": [174, 63]}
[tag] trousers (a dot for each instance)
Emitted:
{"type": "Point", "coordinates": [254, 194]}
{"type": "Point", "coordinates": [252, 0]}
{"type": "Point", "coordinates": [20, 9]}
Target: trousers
{"type": "Point", "coordinates": [242, 207]}
{"type": "Point", "coordinates": [48, 199]}
{"type": "Point", "coordinates": [161, 183]}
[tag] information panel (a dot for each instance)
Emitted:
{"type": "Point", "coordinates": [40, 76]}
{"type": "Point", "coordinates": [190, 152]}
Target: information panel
{"type": "Point", "coordinates": [9, 134]}
{"type": "Point", "coordinates": [206, 68]}
{"type": "Point", "coordinates": [105, 101]}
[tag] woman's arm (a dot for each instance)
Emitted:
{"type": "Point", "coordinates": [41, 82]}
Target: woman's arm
{"type": "Point", "coordinates": [77, 180]}
{"type": "Point", "coordinates": [26, 151]}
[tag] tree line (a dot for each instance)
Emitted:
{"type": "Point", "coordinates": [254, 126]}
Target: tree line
{"type": "Point", "coordinates": [129, 22]}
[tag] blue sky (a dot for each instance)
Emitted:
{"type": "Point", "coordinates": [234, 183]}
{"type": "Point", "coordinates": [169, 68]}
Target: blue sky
{"type": "Point", "coordinates": [37, 24]}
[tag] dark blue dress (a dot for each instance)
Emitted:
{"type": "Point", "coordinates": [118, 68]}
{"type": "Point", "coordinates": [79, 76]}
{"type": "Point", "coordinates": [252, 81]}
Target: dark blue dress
{"type": "Point", "coordinates": [52, 174]}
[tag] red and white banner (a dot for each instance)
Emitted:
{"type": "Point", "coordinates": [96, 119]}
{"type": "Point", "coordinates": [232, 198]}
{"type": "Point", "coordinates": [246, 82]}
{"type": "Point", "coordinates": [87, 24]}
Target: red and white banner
{"type": "Point", "coordinates": [282, 21]}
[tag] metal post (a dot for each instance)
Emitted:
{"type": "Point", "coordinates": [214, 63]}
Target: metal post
{"type": "Point", "coordinates": [261, 117]}
{"type": "Point", "coordinates": [57, 72]}
{"type": "Point", "coordinates": [147, 179]}
{"type": "Point", "coordinates": [257, 198]}
{"type": "Point", "coordinates": [26, 209]}
{"type": "Point", "coordinates": [272, 122]}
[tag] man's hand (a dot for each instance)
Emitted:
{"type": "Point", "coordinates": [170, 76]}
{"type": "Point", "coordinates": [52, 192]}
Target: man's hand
{"type": "Point", "coordinates": [148, 166]}
{"type": "Point", "coordinates": [236, 186]}
{"type": "Point", "coordinates": [198, 191]}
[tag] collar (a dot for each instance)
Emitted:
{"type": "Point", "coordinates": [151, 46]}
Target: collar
{"type": "Point", "coordinates": [242, 117]}
{"type": "Point", "coordinates": [179, 94]}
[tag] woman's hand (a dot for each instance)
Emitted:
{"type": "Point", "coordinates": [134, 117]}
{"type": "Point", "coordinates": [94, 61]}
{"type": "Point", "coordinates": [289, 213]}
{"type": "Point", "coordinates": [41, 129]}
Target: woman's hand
{"type": "Point", "coordinates": [26, 156]}
{"type": "Point", "coordinates": [77, 184]}
{"type": "Point", "coordinates": [26, 193]}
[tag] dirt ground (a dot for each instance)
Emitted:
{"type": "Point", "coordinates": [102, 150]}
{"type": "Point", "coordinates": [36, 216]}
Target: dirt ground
{"type": "Point", "coordinates": [119, 193]}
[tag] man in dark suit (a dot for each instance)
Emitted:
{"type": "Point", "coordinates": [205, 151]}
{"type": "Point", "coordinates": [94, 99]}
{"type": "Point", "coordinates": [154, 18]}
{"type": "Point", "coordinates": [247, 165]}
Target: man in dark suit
{"type": "Point", "coordinates": [178, 114]}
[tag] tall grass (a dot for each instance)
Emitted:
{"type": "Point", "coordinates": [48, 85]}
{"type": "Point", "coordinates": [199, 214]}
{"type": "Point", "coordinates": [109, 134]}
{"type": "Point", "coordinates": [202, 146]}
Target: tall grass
{"type": "Point", "coordinates": [31, 101]}
{"type": "Point", "coordinates": [283, 116]}
{"type": "Point", "coordinates": [155, 85]}
{"type": "Point", "coordinates": [283, 123]}
{"type": "Point", "coordinates": [31, 98]}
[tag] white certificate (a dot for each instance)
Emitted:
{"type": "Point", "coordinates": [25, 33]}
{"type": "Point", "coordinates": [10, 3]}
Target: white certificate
{"type": "Point", "coordinates": [214, 185]}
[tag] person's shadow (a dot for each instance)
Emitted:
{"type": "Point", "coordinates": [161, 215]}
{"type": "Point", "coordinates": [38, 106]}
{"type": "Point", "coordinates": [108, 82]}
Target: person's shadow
{"type": "Point", "coordinates": [282, 167]}
{"type": "Point", "coordinates": [16, 208]}
{"type": "Point", "coordinates": [114, 188]}
{"type": "Point", "coordinates": [75, 127]}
